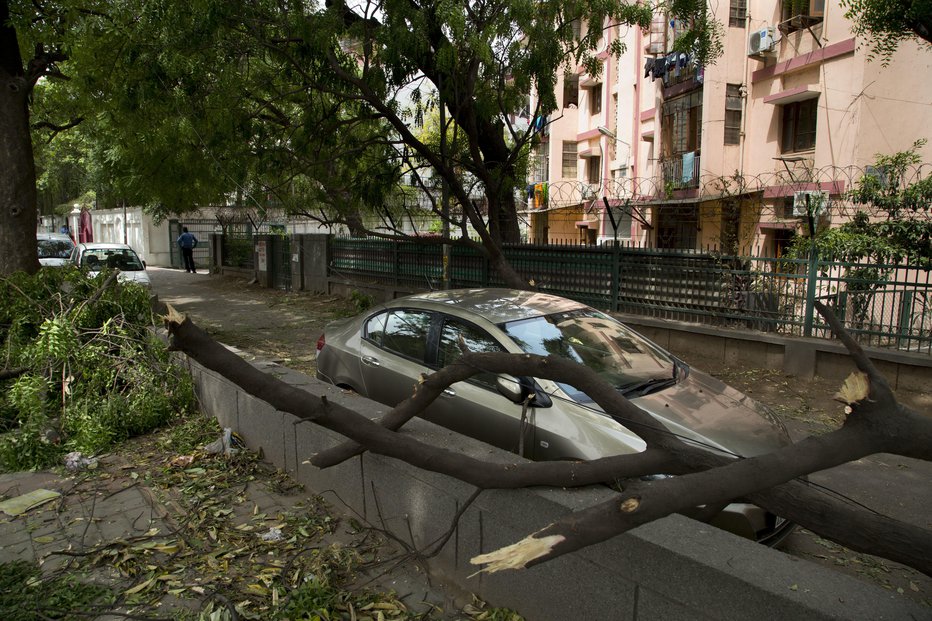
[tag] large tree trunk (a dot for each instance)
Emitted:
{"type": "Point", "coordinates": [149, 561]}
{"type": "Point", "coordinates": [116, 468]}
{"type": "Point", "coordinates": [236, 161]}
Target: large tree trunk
{"type": "Point", "coordinates": [18, 179]}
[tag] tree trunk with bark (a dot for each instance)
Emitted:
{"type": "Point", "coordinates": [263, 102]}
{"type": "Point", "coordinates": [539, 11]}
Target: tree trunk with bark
{"type": "Point", "coordinates": [18, 177]}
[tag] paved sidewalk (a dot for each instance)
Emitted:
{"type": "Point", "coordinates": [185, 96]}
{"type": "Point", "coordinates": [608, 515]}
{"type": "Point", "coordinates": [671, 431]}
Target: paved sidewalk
{"type": "Point", "coordinates": [167, 538]}
{"type": "Point", "coordinates": [91, 511]}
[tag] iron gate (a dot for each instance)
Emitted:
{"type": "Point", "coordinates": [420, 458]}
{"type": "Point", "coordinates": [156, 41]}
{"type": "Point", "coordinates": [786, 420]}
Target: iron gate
{"type": "Point", "coordinates": [201, 229]}
{"type": "Point", "coordinates": [279, 253]}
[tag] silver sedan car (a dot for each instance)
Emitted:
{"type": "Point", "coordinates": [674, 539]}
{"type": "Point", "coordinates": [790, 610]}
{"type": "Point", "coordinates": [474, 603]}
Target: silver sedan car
{"type": "Point", "coordinates": [382, 353]}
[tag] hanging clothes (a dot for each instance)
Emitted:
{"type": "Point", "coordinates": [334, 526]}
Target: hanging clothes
{"type": "Point", "coordinates": [660, 68]}
{"type": "Point", "coordinates": [689, 162]}
{"type": "Point", "coordinates": [648, 67]}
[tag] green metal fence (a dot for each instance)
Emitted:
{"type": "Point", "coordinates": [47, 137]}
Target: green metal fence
{"type": "Point", "coordinates": [882, 305]}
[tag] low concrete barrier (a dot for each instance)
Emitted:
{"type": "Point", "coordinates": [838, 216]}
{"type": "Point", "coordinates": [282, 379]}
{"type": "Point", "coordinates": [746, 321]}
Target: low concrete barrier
{"type": "Point", "coordinates": [672, 569]}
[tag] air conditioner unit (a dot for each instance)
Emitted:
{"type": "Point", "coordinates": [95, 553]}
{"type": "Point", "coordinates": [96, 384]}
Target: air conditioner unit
{"type": "Point", "coordinates": [588, 192]}
{"type": "Point", "coordinates": [761, 41]}
{"type": "Point", "coordinates": [810, 201]}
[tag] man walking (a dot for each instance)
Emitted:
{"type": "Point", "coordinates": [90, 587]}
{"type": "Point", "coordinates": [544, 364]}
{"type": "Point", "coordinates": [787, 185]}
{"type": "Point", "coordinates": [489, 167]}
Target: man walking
{"type": "Point", "coordinates": [187, 242]}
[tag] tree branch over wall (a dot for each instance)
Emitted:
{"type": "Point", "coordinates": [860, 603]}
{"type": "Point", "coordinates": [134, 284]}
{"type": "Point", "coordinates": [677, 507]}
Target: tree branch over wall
{"type": "Point", "coordinates": [876, 423]}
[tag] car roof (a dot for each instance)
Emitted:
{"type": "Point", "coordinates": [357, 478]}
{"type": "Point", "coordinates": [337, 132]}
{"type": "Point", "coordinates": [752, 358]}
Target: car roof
{"type": "Point", "coordinates": [495, 305]}
{"type": "Point", "coordinates": [60, 236]}
{"type": "Point", "coordinates": [103, 246]}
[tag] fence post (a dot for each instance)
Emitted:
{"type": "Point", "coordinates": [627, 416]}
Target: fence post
{"type": "Point", "coordinates": [616, 277]}
{"type": "Point", "coordinates": [811, 282]}
{"type": "Point", "coordinates": [904, 327]}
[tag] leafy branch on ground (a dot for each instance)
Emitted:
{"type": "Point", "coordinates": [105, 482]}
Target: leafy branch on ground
{"type": "Point", "coordinates": [90, 370]}
{"type": "Point", "coordinates": [216, 554]}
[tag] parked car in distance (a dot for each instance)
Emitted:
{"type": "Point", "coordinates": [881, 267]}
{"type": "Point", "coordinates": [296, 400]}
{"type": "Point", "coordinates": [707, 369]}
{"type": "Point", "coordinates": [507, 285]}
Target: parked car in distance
{"type": "Point", "coordinates": [382, 353]}
{"type": "Point", "coordinates": [54, 248]}
{"type": "Point", "coordinates": [94, 257]}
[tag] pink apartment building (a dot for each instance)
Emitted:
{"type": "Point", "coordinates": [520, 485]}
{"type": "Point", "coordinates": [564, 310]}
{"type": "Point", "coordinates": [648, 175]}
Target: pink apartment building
{"type": "Point", "coordinates": [737, 155]}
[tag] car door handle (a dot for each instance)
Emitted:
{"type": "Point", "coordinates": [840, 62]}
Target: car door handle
{"type": "Point", "coordinates": [449, 392]}
{"type": "Point", "coordinates": [372, 362]}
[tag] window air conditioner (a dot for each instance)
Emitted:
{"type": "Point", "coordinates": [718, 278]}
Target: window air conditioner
{"type": "Point", "coordinates": [761, 41]}
{"type": "Point", "coordinates": [817, 203]}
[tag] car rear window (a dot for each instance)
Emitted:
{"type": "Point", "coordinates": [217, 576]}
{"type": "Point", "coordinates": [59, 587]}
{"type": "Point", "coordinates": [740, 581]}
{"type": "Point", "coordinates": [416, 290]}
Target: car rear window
{"type": "Point", "coordinates": [54, 248]}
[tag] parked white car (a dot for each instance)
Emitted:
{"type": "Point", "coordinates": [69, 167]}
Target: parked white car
{"type": "Point", "coordinates": [54, 248]}
{"type": "Point", "coordinates": [95, 257]}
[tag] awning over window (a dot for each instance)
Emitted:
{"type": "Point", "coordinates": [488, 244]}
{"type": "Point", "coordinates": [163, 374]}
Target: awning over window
{"type": "Point", "coordinates": [595, 151]}
{"type": "Point", "coordinates": [777, 225]}
{"type": "Point", "coordinates": [800, 93]}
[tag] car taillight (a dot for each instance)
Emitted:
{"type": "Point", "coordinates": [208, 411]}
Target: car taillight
{"type": "Point", "coordinates": [321, 342]}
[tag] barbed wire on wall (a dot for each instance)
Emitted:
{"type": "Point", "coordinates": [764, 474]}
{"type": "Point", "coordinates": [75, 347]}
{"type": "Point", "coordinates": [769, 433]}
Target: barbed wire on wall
{"type": "Point", "coordinates": [747, 190]}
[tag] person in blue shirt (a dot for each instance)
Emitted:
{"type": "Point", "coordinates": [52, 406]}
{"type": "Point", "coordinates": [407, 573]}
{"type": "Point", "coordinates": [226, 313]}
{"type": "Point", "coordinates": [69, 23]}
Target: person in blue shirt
{"type": "Point", "coordinates": [187, 242]}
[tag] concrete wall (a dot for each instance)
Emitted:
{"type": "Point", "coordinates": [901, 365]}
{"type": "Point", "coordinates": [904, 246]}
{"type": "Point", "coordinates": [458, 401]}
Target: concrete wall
{"type": "Point", "coordinates": [798, 356]}
{"type": "Point", "coordinates": [672, 569]}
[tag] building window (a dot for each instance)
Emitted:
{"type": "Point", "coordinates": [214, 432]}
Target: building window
{"type": "Point", "coordinates": [798, 132]}
{"type": "Point", "coordinates": [594, 170]}
{"type": "Point", "coordinates": [799, 14]}
{"type": "Point", "coordinates": [540, 163]}
{"type": "Point", "coordinates": [570, 90]}
{"type": "Point", "coordinates": [733, 114]}
{"type": "Point", "coordinates": [569, 160]}
{"type": "Point", "coordinates": [681, 124]}
{"type": "Point", "coordinates": [595, 100]}
{"type": "Point", "coordinates": [737, 13]}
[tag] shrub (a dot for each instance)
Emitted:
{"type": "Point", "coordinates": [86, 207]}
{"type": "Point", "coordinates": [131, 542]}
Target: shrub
{"type": "Point", "coordinates": [91, 370]}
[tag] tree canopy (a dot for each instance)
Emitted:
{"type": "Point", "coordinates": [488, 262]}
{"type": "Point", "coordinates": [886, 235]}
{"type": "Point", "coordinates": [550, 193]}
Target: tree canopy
{"type": "Point", "coordinates": [315, 108]}
{"type": "Point", "coordinates": [886, 24]}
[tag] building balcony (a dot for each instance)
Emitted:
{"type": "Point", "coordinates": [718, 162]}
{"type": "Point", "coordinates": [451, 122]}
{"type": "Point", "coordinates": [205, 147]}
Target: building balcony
{"type": "Point", "coordinates": [680, 171]}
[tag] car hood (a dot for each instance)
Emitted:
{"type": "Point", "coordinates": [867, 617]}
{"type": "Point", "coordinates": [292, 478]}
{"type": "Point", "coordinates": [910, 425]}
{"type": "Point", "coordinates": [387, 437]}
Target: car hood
{"type": "Point", "coordinates": [137, 276]}
{"type": "Point", "coordinates": [708, 411]}
{"type": "Point", "coordinates": [54, 262]}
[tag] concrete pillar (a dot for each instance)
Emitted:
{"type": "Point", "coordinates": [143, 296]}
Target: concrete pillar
{"type": "Point", "coordinates": [316, 261]}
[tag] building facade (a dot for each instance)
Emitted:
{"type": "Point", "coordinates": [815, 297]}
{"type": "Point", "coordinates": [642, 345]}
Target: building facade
{"type": "Point", "coordinates": [739, 155]}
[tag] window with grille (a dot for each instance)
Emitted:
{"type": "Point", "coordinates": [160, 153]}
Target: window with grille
{"type": "Point", "coordinates": [681, 124]}
{"type": "Point", "coordinates": [569, 160]}
{"type": "Point", "coordinates": [570, 90]}
{"type": "Point", "coordinates": [540, 163]}
{"type": "Point", "coordinates": [737, 13]}
{"type": "Point", "coordinates": [798, 131]}
{"type": "Point", "coordinates": [733, 114]}
{"type": "Point", "coordinates": [800, 14]}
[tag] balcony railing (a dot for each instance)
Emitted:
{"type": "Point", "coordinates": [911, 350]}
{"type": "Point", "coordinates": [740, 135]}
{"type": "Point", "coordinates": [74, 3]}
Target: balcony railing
{"type": "Point", "coordinates": [680, 171]}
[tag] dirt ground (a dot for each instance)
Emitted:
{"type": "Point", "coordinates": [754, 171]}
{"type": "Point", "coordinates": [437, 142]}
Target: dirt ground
{"type": "Point", "coordinates": [285, 326]}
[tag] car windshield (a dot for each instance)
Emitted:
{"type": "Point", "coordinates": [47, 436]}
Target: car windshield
{"type": "Point", "coordinates": [123, 259]}
{"type": "Point", "coordinates": [54, 249]}
{"type": "Point", "coordinates": [621, 357]}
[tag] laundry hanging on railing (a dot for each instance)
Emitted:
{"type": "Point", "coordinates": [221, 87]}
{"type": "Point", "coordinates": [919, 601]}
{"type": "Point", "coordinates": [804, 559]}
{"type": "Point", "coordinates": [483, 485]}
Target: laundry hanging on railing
{"type": "Point", "coordinates": [689, 162]}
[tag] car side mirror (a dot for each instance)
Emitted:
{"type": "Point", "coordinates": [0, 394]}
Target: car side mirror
{"type": "Point", "coordinates": [517, 389]}
{"type": "Point", "coordinates": [509, 387]}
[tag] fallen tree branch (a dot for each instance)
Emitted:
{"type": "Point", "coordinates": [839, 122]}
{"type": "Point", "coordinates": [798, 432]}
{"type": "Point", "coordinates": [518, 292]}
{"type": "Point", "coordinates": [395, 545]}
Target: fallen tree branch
{"type": "Point", "coordinates": [641, 502]}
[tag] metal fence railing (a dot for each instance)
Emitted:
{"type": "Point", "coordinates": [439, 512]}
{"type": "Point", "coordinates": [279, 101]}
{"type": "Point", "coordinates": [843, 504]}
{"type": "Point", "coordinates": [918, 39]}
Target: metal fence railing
{"type": "Point", "coordinates": [882, 305]}
{"type": "Point", "coordinates": [201, 229]}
